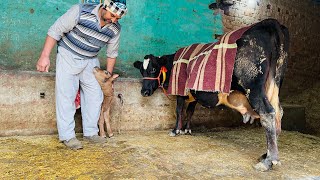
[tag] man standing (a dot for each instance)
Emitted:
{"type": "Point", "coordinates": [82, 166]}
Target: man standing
{"type": "Point", "coordinates": [80, 34]}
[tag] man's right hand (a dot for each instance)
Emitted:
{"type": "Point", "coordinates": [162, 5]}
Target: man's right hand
{"type": "Point", "coordinates": [43, 64]}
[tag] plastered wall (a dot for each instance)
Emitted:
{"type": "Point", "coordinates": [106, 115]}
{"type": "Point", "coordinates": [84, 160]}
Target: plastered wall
{"type": "Point", "coordinates": [158, 27]}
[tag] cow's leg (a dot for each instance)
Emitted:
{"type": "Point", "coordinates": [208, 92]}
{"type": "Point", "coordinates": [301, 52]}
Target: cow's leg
{"type": "Point", "coordinates": [272, 91]}
{"type": "Point", "coordinates": [190, 111]}
{"type": "Point", "coordinates": [271, 157]}
{"type": "Point", "coordinates": [179, 113]}
{"type": "Point", "coordinates": [101, 123]}
{"type": "Point", "coordinates": [268, 121]}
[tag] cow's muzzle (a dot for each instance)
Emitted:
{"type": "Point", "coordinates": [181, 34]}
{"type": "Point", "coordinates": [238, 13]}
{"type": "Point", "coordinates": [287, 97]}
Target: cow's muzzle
{"type": "Point", "coordinates": [145, 93]}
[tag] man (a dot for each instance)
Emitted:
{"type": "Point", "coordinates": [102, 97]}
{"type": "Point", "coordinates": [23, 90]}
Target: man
{"type": "Point", "coordinates": [80, 34]}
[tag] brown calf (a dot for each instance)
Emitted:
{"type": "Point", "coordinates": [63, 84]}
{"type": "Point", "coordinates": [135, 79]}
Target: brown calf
{"type": "Point", "coordinates": [235, 100]}
{"type": "Point", "coordinates": [238, 101]}
{"type": "Point", "coordinates": [105, 80]}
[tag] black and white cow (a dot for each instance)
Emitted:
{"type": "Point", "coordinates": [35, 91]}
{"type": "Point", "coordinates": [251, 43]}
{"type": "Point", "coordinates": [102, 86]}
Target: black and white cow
{"type": "Point", "coordinates": [259, 68]}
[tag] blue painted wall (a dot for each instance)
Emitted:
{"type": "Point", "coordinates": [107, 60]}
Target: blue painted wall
{"type": "Point", "coordinates": [158, 27]}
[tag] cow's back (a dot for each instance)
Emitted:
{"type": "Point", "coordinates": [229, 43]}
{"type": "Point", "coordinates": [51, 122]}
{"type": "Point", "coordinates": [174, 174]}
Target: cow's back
{"type": "Point", "coordinates": [261, 54]}
{"type": "Point", "coordinates": [179, 75]}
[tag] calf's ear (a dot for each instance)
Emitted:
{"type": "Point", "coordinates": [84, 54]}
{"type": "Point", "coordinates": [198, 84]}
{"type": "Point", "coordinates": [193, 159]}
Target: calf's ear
{"type": "Point", "coordinates": [114, 76]}
{"type": "Point", "coordinates": [137, 64]}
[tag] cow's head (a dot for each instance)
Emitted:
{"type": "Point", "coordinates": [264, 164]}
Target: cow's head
{"type": "Point", "coordinates": [150, 70]}
{"type": "Point", "coordinates": [222, 5]}
{"type": "Point", "coordinates": [155, 72]}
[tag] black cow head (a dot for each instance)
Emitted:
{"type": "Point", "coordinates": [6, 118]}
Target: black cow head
{"type": "Point", "coordinates": [221, 4]}
{"type": "Point", "coordinates": [149, 69]}
{"type": "Point", "coordinates": [152, 69]}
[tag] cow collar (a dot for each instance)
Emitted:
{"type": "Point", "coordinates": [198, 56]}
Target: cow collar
{"type": "Point", "coordinates": [163, 72]}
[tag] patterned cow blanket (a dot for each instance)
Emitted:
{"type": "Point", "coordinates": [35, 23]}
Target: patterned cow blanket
{"type": "Point", "coordinates": [205, 67]}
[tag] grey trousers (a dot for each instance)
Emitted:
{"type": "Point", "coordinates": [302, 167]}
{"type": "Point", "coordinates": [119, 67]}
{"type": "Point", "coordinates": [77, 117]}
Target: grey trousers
{"type": "Point", "coordinates": [73, 71]}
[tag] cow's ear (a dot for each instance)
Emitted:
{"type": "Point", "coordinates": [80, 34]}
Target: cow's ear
{"type": "Point", "coordinates": [137, 64]}
{"type": "Point", "coordinates": [164, 59]}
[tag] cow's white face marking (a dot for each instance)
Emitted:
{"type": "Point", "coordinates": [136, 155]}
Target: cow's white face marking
{"type": "Point", "coordinates": [146, 63]}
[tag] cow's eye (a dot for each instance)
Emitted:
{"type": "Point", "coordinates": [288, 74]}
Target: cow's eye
{"type": "Point", "coordinates": [153, 70]}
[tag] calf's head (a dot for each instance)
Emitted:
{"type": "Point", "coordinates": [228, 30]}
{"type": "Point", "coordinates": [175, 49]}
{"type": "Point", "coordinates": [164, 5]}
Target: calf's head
{"type": "Point", "coordinates": [105, 80]}
{"type": "Point", "coordinates": [149, 69]}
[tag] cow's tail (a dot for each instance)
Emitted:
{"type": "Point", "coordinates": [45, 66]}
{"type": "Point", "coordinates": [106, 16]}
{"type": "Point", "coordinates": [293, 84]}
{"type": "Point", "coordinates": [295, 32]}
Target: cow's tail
{"type": "Point", "coordinates": [278, 63]}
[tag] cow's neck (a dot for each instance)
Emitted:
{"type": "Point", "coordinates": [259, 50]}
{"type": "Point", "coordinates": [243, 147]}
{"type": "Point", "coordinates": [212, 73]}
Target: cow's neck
{"type": "Point", "coordinates": [168, 65]}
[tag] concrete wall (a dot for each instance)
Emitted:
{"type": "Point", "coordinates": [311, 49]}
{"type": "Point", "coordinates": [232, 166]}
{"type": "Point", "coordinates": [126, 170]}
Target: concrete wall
{"type": "Point", "coordinates": [24, 112]}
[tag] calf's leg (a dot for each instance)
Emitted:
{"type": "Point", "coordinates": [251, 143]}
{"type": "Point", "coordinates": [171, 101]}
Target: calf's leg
{"type": "Point", "coordinates": [101, 123]}
{"type": "Point", "coordinates": [107, 121]}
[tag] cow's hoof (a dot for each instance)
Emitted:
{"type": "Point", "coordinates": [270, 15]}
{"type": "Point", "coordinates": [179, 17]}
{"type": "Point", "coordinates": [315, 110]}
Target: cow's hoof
{"type": "Point", "coordinates": [172, 134]}
{"type": "Point", "coordinates": [266, 165]}
{"type": "Point", "coordinates": [111, 135]}
{"type": "Point", "coordinates": [187, 131]}
{"type": "Point", "coordinates": [262, 166]}
{"type": "Point", "coordinates": [175, 132]}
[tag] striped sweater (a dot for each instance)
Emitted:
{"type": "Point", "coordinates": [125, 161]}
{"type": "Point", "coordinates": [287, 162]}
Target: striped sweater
{"type": "Point", "coordinates": [87, 38]}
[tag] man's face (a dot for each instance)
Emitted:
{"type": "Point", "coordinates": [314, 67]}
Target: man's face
{"type": "Point", "coordinates": [109, 17]}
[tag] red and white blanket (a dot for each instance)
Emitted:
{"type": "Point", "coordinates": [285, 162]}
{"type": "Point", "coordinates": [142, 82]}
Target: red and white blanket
{"type": "Point", "coordinates": [205, 67]}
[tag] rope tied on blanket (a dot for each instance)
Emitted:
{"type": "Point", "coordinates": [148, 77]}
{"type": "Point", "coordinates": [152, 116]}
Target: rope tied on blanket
{"type": "Point", "coordinates": [217, 46]}
{"type": "Point", "coordinates": [205, 67]}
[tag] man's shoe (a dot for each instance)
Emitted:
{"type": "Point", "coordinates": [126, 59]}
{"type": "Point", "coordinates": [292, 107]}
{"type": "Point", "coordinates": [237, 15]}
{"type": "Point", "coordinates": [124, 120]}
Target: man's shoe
{"type": "Point", "coordinates": [95, 139]}
{"type": "Point", "coordinates": [73, 143]}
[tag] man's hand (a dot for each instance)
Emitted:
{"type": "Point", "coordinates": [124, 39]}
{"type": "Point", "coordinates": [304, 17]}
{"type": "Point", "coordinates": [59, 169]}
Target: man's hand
{"type": "Point", "coordinates": [43, 64]}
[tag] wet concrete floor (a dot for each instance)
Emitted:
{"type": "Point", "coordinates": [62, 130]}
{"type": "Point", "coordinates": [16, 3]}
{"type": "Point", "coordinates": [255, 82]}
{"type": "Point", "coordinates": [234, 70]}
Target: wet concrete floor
{"type": "Point", "coordinates": [218, 154]}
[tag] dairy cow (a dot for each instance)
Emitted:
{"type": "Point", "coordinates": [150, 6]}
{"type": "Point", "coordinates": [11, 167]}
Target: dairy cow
{"type": "Point", "coordinates": [258, 72]}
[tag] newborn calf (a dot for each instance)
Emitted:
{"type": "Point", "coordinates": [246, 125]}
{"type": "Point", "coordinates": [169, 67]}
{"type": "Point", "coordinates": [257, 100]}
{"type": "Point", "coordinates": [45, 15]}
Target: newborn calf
{"type": "Point", "coordinates": [238, 101]}
{"type": "Point", "coordinates": [105, 80]}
